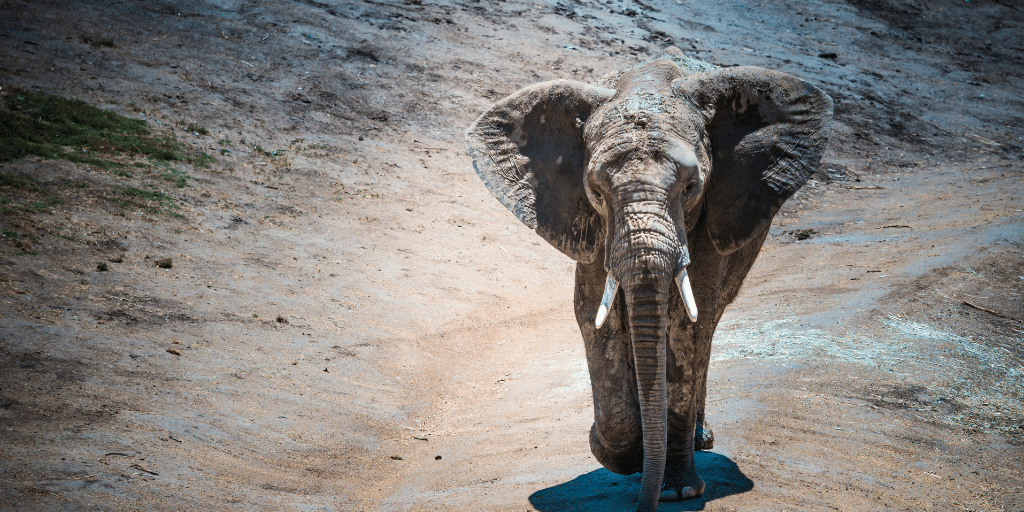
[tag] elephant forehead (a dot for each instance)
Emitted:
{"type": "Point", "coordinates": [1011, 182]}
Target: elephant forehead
{"type": "Point", "coordinates": [641, 103]}
{"type": "Point", "coordinates": [642, 119]}
{"type": "Point", "coordinates": [635, 143]}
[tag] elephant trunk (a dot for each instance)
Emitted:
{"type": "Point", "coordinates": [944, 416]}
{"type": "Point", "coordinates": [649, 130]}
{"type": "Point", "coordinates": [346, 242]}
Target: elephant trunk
{"type": "Point", "coordinates": [647, 306]}
{"type": "Point", "coordinates": [645, 257]}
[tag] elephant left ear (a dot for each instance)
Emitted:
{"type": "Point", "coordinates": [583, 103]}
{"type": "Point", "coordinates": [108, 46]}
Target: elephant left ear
{"type": "Point", "coordinates": [767, 132]}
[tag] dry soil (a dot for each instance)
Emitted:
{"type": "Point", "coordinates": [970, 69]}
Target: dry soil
{"type": "Point", "coordinates": [362, 327]}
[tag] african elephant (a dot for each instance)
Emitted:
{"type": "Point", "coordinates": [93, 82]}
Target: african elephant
{"type": "Point", "coordinates": [664, 172]}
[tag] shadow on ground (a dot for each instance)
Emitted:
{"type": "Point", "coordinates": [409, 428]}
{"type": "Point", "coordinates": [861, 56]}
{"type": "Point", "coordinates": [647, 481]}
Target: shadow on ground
{"type": "Point", "coordinates": [604, 491]}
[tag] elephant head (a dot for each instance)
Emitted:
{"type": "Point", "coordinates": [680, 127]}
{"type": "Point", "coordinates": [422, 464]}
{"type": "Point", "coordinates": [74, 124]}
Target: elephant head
{"type": "Point", "coordinates": [630, 171]}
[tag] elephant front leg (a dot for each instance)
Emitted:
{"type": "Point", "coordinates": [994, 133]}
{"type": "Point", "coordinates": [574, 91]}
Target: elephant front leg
{"type": "Point", "coordinates": [616, 437]}
{"type": "Point", "coordinates": [689, 347]}
{"type": "Point", "coordinates": [681, 480]}
{"type": "Point", "coordinates": [703, 437]}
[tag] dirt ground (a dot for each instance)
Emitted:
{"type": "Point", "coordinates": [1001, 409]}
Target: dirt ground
{"type": "Point", "coordinates": [361, 326]}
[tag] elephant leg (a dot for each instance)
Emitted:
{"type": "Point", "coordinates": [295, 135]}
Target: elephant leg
{"type": "Point", "coordinates": [723, 289]}
{"type": "Point", "coordinates": [616, 437]}
{"type": "Point", "coordinates": [703, 436]}
{"type": "Point", "coordinates": [681, 480]}
{"type": "Point", "coordinates": [684, 382]}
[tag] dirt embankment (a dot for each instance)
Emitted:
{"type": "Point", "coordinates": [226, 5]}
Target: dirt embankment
{"type": "Point", "coordinates": [348, 321]}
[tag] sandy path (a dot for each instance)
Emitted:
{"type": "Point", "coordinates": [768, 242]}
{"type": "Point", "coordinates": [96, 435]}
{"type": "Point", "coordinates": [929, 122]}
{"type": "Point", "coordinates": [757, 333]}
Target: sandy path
{"type": "Point", "coordinates": [855, 372]}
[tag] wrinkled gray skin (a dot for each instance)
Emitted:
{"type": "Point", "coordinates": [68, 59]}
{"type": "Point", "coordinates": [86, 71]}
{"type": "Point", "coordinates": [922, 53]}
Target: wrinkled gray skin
{"type": "Point", "coordinates": [671, 165]}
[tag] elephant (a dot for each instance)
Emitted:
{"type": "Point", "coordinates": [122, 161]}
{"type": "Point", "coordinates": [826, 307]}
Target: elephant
{"type": "Point", "coordinates": [661, 181]}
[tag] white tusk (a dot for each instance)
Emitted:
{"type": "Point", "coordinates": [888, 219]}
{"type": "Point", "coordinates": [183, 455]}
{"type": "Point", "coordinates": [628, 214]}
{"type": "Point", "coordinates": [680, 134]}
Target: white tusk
{"type": "Point", "coordinates": [683, 280]}
{"type": "Point", "coordinates": [610, 287]}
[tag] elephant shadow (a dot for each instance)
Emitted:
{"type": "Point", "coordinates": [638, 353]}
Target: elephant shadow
{"type": "Point", "coordinates": [604, 491]}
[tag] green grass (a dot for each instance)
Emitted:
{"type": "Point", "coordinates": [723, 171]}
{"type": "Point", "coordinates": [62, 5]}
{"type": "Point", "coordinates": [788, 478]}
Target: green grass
{"type": "Point", "coordinates": [153, 194]}
{"type": "Point", "coordinates": [175, 176]}
{"type": "Point", "coordinates": [19, 183]}
{"type": "Point", "coordinates": [200, 159]}
{"type": "Point", "coordinates": [149, 200]}
{"type": "Point", "coordinates": [42, 206]}
{"type": "Point", "coordinates": [46, 126]}
{"type": "Point", "coordinates": [38, 197]}
{"type": "Point", "coordinates": [192, 127]}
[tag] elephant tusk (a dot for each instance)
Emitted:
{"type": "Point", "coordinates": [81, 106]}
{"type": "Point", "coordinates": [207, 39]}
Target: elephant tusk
{"type": "Point", "coordinates": [683, 280]}
{"type": "Point", "coordinates": [610, 287]}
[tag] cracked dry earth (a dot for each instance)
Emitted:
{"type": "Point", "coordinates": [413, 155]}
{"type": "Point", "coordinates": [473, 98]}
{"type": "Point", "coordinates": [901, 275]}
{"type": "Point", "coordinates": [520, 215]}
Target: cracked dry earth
{"type": "Point", "coordinates": [351, 322]}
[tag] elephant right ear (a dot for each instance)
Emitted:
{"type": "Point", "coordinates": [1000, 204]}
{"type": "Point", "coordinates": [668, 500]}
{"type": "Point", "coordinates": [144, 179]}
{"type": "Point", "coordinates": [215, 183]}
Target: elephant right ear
{"type": "Point", "coordinates": [528, 149]}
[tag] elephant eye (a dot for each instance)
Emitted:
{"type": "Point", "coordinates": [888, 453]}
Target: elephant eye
{"type": "Point", "coordinates": [689, 188]}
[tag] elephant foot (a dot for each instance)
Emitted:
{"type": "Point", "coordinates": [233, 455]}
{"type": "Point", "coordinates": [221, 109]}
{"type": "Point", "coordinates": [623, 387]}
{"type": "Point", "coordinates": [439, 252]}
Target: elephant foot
{"type": "Point", "coordinates": [703, 437]}
{"type": "Point", "coordinates": [681, 483]}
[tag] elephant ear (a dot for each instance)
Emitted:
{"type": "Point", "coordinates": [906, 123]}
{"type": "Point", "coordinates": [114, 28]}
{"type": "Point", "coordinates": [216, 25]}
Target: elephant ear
{"type": "Point", "coordinates": [528, 150]}
{"type": "Point", "coordinates": [767, 131]}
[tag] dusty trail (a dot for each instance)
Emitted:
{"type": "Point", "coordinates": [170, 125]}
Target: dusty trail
{"type": "Point", "coordinates": [873, 360]}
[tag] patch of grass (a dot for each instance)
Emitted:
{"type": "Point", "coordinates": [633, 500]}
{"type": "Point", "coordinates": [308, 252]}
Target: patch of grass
{"type": "Point", "coordinates": [225, 151]}
{"type": "Point", "coordinates": [200, 159]}
{"type": "Point", "coordinates": [165, 262]}
{"type": "Point", "coordinates": [149, 200]}
{"type": "Point", "coordinates": [97, 41]}
{"type": "Point", "coordinates": [42, 206]}
{"type": "Point", "coordinates": [225, 142]}
{"type": "Point", "coordinates": [19, 183]}
{"type": "Point", "coordinates": [201, 130]}
{"type": "Point", "coordinates": [53, 127]}
{"type": "Point", "coordinates": [79, 184]}
{"type": "Point", "coordinates": [175, 176]}
{"type": "Point", "coordinates": [152, 194]}
{"type": "Point", "coordinates": [26, 194]}
{"type": "Point", "coordinates": [13, 235]}
{"type": "Point", "coordinates": [102, 266]}
{"type": "Point", "coordinates": [117, 259]}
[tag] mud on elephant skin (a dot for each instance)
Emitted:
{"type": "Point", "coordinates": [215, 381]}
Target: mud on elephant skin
{"type": "Point", "coordinates": [660, 181]}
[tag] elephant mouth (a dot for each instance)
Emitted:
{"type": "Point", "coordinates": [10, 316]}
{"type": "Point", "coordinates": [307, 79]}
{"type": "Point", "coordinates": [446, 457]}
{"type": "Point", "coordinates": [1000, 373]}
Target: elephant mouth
{"type": "Point", "coordinates": [611, 287]}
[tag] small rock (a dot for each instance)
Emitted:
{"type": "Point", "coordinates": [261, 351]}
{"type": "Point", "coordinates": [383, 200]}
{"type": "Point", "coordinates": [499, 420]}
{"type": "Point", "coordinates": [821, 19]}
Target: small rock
{"type": "Point", "coordinates": [174, 351]}
{"type": "Point", "coordinates": [830, 56]}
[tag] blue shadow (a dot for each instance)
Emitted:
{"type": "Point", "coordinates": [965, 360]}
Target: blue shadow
{"type": "Point", "coordinates": [604, 491]}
